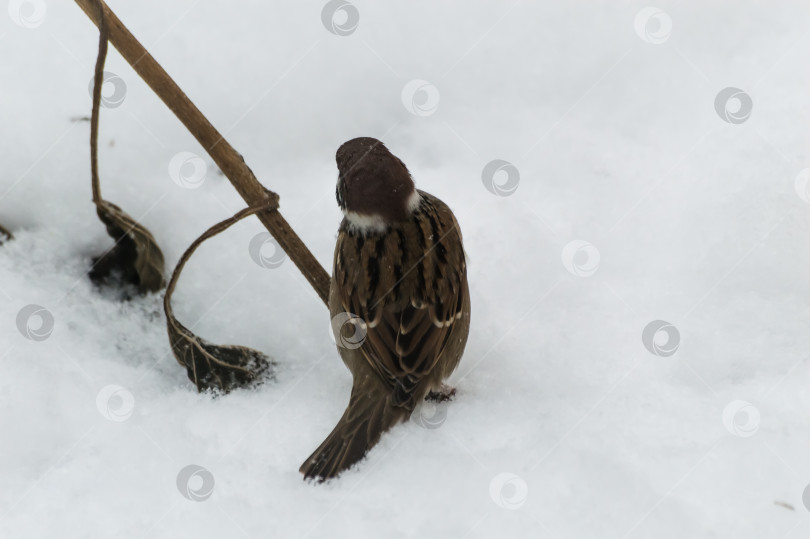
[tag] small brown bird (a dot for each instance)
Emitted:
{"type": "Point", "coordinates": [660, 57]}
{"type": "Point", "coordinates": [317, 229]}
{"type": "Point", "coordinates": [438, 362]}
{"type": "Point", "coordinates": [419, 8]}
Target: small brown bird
{"type": "Point", "coordinates": [399, 285]}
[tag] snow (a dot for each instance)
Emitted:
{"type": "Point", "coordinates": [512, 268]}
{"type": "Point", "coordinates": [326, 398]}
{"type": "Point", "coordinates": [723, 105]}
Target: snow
{"type": "Point", "coordinates": [565, 424]}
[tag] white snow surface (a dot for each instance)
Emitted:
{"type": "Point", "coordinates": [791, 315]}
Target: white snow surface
{"type": "Point", "coordinates": [695, 221]}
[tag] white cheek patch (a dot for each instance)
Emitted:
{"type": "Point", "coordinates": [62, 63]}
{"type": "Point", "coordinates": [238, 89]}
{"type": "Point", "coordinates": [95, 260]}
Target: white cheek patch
{"type": "Point", "coordinates": [414, 201]}
{"type": "Point", "coordinates": [365, 223]}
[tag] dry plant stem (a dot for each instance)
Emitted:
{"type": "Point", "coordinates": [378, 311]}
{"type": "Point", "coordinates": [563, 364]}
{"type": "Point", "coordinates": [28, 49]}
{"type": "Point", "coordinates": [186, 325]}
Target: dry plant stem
{"type": "Point", "coordinates": [209, 365]}
{"type": "Point", "coordinates": [98, 80]}
{"type": "Point", "coordinates": [227, 159]}
{"type": "Point", "coordinates": [5, 232]}
{"type": "Point", "coordinates": [270, 204]}
{"type": "Point", "coordinates": [135, 256]}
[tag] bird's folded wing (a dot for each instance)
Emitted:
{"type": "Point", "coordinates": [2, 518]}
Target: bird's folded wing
{"type": "Point", "coordinates": [403, 343]}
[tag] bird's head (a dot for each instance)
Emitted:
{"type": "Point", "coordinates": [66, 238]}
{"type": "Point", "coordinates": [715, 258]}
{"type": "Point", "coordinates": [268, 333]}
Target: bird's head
{"type": "Point", "coordinates": [374, 187]}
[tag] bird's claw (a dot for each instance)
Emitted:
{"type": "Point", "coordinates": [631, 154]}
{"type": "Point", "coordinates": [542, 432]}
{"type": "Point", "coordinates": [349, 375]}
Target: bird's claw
{"type": "Point", "coordinates": [446, 393]}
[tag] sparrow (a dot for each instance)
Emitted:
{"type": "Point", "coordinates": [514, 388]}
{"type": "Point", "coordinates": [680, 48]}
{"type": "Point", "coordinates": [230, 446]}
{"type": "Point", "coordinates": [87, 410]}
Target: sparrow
{"type": "Point", "coordinates": [398, 298]}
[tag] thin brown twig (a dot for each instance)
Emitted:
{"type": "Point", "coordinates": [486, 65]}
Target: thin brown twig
{"type": "Point", "coordinates": [98, 80]}
{"type": "Point", "coordinates": [209, 365]}
{"type": "Point", "coordinates": [224, 155]}
{"type": "Point", "coordinates": [269, 204]}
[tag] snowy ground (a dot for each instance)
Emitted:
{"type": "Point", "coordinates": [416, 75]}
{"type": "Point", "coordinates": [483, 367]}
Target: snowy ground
{"type": "Point", "coordinates": [613, 127]}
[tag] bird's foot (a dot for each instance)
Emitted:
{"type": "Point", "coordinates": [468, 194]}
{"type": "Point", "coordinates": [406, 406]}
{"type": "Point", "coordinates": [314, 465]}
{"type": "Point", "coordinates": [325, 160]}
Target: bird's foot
{"type": "Point", "coordinates": [446, 393]}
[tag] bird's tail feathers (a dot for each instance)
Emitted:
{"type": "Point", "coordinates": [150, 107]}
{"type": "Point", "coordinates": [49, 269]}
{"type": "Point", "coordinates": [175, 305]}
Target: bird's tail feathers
{"type": "Point", "coordinates": [369, 414]}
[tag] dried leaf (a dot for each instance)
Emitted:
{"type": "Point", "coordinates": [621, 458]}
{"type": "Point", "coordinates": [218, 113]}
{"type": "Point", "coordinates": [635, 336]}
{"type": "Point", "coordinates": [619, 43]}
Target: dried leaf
{"type": "Point", "coordinates": [135, 258]}
{"type": "Point", "coordinates": [5, 235]}
{"type": "Point", "coordinates": [212, 366]}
